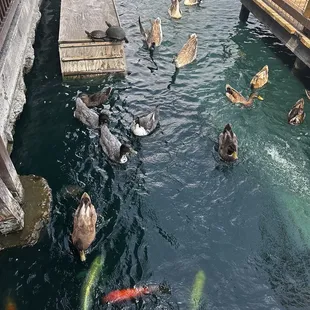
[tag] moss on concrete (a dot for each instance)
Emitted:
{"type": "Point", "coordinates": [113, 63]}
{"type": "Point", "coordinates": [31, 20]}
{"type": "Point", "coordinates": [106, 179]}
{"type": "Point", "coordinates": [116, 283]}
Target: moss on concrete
{"type": "Point", "coordinates": [36, 205]}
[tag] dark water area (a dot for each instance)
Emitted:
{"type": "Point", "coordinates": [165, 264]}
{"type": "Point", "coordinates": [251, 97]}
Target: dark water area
{"type": "Point", "coordinates": [175, 208]}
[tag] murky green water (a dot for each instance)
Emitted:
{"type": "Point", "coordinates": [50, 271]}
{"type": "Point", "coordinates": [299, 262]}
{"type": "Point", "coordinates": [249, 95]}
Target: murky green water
{"type": "Point", "coordinates": [175, 208]}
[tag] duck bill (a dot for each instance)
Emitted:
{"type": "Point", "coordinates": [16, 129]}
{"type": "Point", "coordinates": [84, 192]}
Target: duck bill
{"type": "Point", "coordinates": [82, 256]}
{"type": "Point", "coordinates": [134, 152]}
{"type": "Point", "coordinates": [234, 155]}
{"type": "Point", "coordinates": [260, 98]}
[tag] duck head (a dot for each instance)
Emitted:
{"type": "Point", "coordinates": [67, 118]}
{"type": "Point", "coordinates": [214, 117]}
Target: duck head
{"type": "Point", "coordinates": [85, 200]}
{"type": "Point", "coordinates": [104, 119]}
{"type": "Point", "coordinates": [232, 152]}
{"type": "Point", "coordinates": [84, 97]}
{"type": "Point", "coordinates": [125, 150]}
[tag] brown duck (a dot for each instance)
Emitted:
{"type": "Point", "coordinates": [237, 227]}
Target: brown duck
{"type": "Point", "coordinates": [96, 99]}
{"type": "Point", "coordinates": [174, 9]}
{"type": "Point", "coordinates": [235, 97]}
{"type": "Point", "coordinates": [188, 53]}
{"type": "Point", "coordinates": [84, 225]}
{"type": "Point", "coordinates": [297, 114]}
{"type": "Point", "coordinates": [260, 78]}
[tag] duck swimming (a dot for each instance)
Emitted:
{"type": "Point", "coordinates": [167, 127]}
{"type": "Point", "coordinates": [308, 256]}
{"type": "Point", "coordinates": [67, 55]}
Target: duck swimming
{"type": "Point", "coordinates": [260, 78]}
{"type": "Point", "coordinates": [97, 99]}
{"type": "Point", "coordinates": [154, 36]}
{"type": "Point", "coordinates": [111, 146]}
{"type": "Point", "coordinates": [192, 2]}
{"type": "Point", "coordinates": [84, 226]}
{"type": "Point", "coordinates": [87, 116]}
{"type": "Point", "coordinates": [145, 124]}
{"type": "Point", "coordinates": [188, 53]}
{"type": "Point", "coordinates": [174, 9]}
{"type": "Point", "coordinates": [228, 144]}
{"type": "Point", "coordinates": [297, 115]}
{"type": "Point", "coordinates": [235, 97]}
{"type": "Point", "coordinates": [307, 93]}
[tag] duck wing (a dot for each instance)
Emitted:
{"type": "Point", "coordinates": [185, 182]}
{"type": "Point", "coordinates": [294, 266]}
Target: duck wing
{"type": "Point", "coordinates": [109, 143]}
{"type": "Point", "coordinates": [99, 98]}
{"type": "Point", "coordinates": [87, 116]}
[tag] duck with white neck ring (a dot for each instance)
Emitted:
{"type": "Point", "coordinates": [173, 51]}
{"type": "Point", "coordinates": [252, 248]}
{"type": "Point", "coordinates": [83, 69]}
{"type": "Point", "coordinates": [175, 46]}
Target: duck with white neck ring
{"type": "Point", "coordinates": [111, 146]}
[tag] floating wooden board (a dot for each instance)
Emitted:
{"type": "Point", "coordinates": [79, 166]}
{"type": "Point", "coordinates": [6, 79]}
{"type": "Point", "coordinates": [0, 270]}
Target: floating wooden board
{"type": "Point", "coordinates": [80, 55]}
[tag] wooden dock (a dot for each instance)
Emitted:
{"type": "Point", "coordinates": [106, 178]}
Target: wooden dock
{"type": "Point", "coordinates": [288, 21]}
{"type": "Point", "coordinates": [80, 57]}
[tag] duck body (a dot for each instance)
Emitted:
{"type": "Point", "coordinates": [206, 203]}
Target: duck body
{"type": "Point", "coordinates": [192, 2]}
{"type": "Point", "coordinates": [154, 36]}
{"type": "Point", "coordinates": [87, 116]}
{"type": "Point", "coordinates": [188, 53]}
{"type": "Point", "coordinates": [84, 225]}
{"type": "Point", "coordinates": [111, 146]}
{"type": "Point", "coordinates": [228, 144]}
{"type": "Point", "coordinates": [96, 99]}
{"type": "Point", "coordinates": [145, 124]}
{"type": "Point", "coordinates": [297, 115]}
{"type": "Point", "coordinates": [174, 9]}
{"type": "Point", "coordinates": [235, 97]}
{"type": "Point", "coordinates": [260, 78]}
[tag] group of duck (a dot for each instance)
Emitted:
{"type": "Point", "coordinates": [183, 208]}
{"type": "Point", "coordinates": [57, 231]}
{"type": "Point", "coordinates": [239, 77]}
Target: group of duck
{"type": "Point", "coordinates": [144, 124]}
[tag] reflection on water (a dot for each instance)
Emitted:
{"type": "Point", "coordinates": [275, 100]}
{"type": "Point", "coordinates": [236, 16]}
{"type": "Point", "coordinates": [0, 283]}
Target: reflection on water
{"type": "Point", "coordinates": [175, 208]}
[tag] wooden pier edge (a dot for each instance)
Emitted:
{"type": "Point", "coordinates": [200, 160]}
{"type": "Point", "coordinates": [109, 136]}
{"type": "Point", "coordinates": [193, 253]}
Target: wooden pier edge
{"type": "Point", "coordinates": [80, 57]}
{"type": "Point", "coordinates": [294, 39]}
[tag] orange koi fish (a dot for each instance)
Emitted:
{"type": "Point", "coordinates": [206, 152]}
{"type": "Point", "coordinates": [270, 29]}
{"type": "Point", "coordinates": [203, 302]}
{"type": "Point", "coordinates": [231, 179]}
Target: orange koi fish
{"type": "Point", "coordinates": [10, 304]}
{"type": "Point", "coordinates": [129, 293]}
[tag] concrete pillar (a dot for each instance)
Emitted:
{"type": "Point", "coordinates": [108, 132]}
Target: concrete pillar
{"type": "Point", "coordinates": [244, 14]}
{"type": "Point", "coordinates": [8, 173]}
{"type": "Point", "coordinates": [11, 214]}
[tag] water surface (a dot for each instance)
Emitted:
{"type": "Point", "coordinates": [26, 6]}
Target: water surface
{"type": "Point", "coordinates": [175, 208]}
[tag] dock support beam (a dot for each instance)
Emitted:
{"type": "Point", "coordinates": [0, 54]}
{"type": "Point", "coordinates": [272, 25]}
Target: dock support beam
{"type": "Point", "coordinates": [11, 214]}
{"type": "Point", "coordinates": [244, 14]}
{"type": "Point", "coordinates": [8, 173]}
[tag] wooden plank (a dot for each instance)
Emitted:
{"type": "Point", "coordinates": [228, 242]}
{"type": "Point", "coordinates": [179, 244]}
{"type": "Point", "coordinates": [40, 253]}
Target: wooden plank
{"type": "Point", "coordinates": [90, 52]}
{"type": "Point", "coordinates": [8, 173]}
{"type": "Point", "coordinates": [307, 10]}
{"type": "Point", "coordinates": [117, 64]}
{"type": "Point", "coordinates": [76, 16]}
{"type": "Point", "coordinates": [278, 18]}
{"type": "Point", "coordinates": [295, 12]}
{"type": "Point", "coordinates": [92, 73]}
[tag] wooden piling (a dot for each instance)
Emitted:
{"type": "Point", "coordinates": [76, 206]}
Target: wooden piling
{"type": "Point", "coordinates": [79, 55]}
{"type": "Point", "coordinates": [244, 14]}
{"type": "Point", "coordinates": [8, 173]}
{"type": "Point", "coordinates": [11, 214]}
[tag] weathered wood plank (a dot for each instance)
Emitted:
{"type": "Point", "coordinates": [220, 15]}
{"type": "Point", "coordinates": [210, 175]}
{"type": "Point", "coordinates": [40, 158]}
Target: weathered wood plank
{"type": "Point", "coordinates": [8, 173]}
{"type": "Point", "coordinates": [11, 214]}
{"type": "Point", "coordinates": [89, 52]}
{"type": "Point", "coordinates": [79, 15]}
{"type": "Point", "coordinates": [94, 65]}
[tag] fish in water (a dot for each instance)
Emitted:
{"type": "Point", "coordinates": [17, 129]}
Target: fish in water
{"type": "Point", "coordinates": [197, 290]}
{"type": "Point", "coordinates": [90, 281]}
{"type": "Point", "coordinates": [10, 304]}
{"type": "Point", "coordinates": [131, 293]}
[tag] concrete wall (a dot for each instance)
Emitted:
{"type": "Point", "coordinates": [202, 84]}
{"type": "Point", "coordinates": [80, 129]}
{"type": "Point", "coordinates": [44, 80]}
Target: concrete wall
{"type": "Point", "coordinates": [16, 59]}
